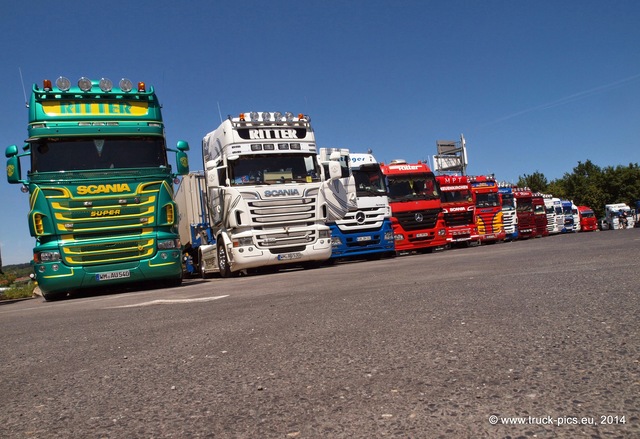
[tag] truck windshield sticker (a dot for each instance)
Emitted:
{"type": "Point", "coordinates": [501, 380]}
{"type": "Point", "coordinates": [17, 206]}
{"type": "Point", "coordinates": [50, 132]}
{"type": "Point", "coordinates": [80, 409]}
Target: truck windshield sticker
{"type": "Point", "coordinates": [93, 108]}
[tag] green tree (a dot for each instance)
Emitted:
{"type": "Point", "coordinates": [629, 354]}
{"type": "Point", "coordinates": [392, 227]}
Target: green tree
{"type": "Point", "coordinates": [537, 182]}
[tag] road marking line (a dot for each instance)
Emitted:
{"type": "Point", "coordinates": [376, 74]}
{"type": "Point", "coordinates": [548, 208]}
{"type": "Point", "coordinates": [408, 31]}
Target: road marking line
{"type": "Point", "coordinates": [171, 302]}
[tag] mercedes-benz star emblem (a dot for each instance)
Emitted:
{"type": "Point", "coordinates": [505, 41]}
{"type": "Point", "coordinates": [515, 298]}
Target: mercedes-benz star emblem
{"type": "Point", "coordinates": [360, 217]}
{"type": "Point", "coordinates": [419, 217]}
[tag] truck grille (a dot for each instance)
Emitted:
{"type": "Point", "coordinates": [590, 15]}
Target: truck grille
{"type": "Point", "coordinates": [283, 211]}
{"type": "Point", "coordinates": [365, 218]}
{"type": "Point", "coordinates": [418, 219]}
{"type": "Point", "coordinates": [105, 228]}
{"type": "Point", "coordinates": [455, 219]}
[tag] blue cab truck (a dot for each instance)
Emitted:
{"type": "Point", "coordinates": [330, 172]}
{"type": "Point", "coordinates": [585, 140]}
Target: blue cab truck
{"type": "Point", "coordinates": [365, 231]}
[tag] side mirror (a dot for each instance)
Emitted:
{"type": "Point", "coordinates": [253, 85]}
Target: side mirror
{"type": "Point", "coordinates": [14, 172]}
{"type": "Point", "coordinates": [182, 145]}
{"type": "Point", "coordinates": [335, 170]}
{"type": "Point", "coordinates": [11, 151]}
{"type": "Point", "coordinates": [182, 163]}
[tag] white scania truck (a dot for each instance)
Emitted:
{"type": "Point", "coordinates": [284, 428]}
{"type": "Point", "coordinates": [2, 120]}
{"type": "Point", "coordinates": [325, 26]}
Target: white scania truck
{"type": "Point", "coordinates": [268, 198]}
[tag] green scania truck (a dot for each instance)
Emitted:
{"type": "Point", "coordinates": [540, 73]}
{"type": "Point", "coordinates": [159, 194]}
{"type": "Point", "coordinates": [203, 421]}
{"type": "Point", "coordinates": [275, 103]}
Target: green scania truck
{"type": "Point", "coordinates": [101, 207]}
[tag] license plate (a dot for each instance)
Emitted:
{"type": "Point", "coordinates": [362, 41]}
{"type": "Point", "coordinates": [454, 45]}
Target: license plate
{"type": "Point", "coordinates": [363, 238]}
{"type": "Point", "coordinates": [491, 236]}
{"type": "Point", "coordinates": [421, 235]}
{"type": "Point", "coordinates": [113, 275]}
{"type": "Point", "coordinates": [289, 256]}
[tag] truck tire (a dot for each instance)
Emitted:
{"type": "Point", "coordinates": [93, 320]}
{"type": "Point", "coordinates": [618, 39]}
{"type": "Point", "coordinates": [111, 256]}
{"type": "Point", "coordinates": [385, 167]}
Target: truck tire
{"type": "Point", "coordinates": [223, 262]}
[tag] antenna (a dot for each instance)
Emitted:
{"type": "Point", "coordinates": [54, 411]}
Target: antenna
{"type": "Point", "coordinates": [219, 112]}
{"type": "Point", "coordinates": [24, 90]}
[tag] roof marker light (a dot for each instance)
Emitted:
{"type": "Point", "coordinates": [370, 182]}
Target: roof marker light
{"type": "Point", "coordinates": [254, 116]}
{"type": "Point", "coordinates": [63, 83]}
{"type": "Point", "coordinates": [141, 87]}
{"type": "Point", "coordinates": [277, 116]}
{"type": "Point", "coordinates": [288, 116]}
{"type": "Point", "coordinates": [126, 85]}
{"type": "Point", "coordinates": [241, 117]}
{"type": "Point", "coordinates": [106, 84]}
{"type": "Point", "coordinates": [266, 116]}
{"type": "Point", "coordinates": [46, 85]}
{"type": "Point", "coordinates": [84, 84]}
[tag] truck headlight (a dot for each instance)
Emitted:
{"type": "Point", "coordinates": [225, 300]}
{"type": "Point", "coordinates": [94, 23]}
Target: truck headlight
{"type": "Point", "coordinates": [46, 256]}
{"type": "Point", "coordinates": [167, 244]}
{"type": "Point", "coordinates": [324, 233]}
{"type": "Point", "coordinates": [388, 236]}
{"type": "Point", "coordinates": [442, 232]}
{"type": "Point", "coordinates": [399, 237]}
{"type": "Point", "coordinates": [240, 242]}
{"type": "Point", "coordinates": [336, 241]}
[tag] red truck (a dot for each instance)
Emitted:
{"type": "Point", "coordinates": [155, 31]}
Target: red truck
{"type": "Point", "coordinates": [488, 213]}
{"type": "Point", "coordinates": [458, 208]}
{"type": "Point", "coordinates": [416, 209]}
{"type": "Point", "coordinates": [588, 220]}
{"type": "Point", "coordinates": [540, 213]}
{"type": "Point", "coordinates": [524, 211]}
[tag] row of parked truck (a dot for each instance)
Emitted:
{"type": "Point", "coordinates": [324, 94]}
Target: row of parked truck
{"type": "Point", "coordinates": [104, 212]}
{"type": "Point", "coordinates": [269, 197]}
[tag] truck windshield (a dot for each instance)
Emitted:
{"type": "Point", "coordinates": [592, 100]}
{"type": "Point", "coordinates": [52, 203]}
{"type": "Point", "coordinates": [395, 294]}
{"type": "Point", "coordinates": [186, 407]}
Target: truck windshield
{"type": "Point", "coordinates": [524, 206]}
{"type": "Point", "coordinates": [58, 154]}
{"type": "Point", "coordinates": [369, 182]}
{"type": "Point", "coordinates": [459, 196]}
{"type": "Point", "coordinates": [274, 169]}
{"type": "Point", "coordinates": [507, 202]}
{"type": "Point", "coordinates": [538, 209]}
{"type": "Point", "coordinates": [413, 187]}
{"type": "Point", "coordinates": [487, 200]}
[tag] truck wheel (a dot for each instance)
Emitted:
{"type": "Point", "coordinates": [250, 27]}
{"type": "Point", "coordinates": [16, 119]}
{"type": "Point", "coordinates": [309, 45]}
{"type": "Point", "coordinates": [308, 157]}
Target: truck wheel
{"type": "Point", "coordinates": [223, 262]}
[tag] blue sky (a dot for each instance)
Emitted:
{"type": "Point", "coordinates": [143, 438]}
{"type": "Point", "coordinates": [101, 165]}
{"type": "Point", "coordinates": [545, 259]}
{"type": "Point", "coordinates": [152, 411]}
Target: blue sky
{"type": "Point", "coordinates": [532, 85]}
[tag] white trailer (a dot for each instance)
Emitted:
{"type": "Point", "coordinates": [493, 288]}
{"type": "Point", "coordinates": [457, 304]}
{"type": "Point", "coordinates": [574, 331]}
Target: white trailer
{"type": "Point", "coordinates": [268, 198]}
{"type": "Point", "coordinates": [194, 226]}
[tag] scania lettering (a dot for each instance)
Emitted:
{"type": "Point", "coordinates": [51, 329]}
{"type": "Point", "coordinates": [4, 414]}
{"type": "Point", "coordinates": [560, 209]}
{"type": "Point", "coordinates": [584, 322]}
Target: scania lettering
{"type": "Point", "coordinates": [416, 208]}
{"type": "Point", "coordinates": [103, 189]}
{"type": "Point", "coordinates": [281, 193]}
{"type": "Point", "coordinates": [458, 208]}
{"type": "Point", "coordinates": [365, 231]}
{"type": "Point", "coordinates": [488, 209]}
{"type": "Point", "coordinates": [266, 194]}
{"type": "Point", "coordinates": [509, 217]}
{"type": "Point", "coordinates": [101, 207]}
